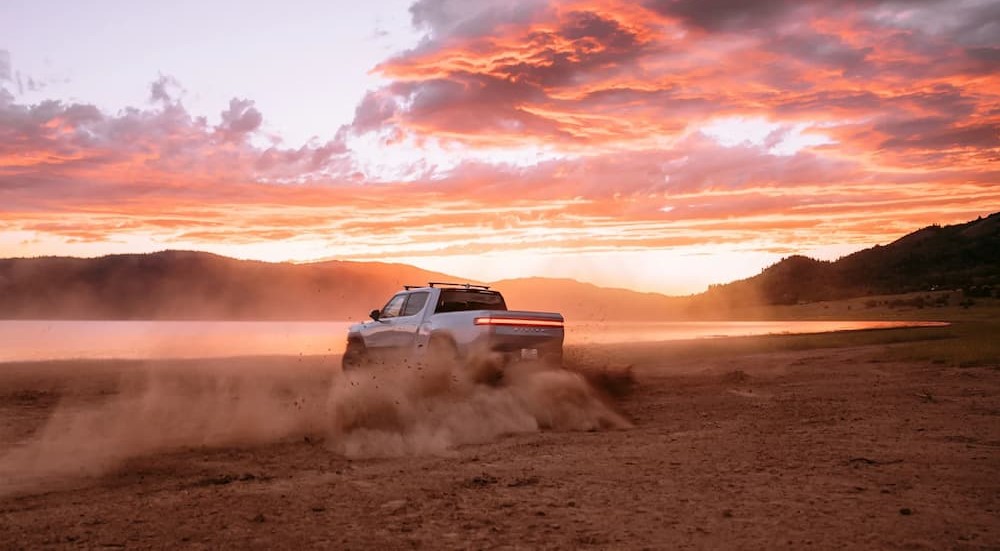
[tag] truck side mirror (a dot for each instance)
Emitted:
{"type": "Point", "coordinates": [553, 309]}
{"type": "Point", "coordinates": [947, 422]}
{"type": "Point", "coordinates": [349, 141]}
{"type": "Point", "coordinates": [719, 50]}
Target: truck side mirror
{"type": "Point", "coordinates": [375, 315]}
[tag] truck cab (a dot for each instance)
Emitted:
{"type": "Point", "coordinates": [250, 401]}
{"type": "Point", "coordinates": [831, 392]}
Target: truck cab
{"type": "Point", "coordinates": [456, 320]}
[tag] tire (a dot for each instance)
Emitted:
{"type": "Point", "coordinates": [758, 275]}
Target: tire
{"type": "Point", "coordinates": [442, 351]}
{"type": "Point", "coordinates": [355, 356]}
{"type": "Point", "coordinates": [552, 357]}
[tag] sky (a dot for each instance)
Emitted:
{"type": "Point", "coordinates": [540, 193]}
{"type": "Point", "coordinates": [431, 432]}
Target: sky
{"type": "Point", "coordinates": [658, 145]}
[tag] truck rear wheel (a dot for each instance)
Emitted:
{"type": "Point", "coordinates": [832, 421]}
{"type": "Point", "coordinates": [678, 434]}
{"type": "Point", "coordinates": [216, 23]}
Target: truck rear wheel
{"type": "Point", "coordinates": [552, 357]}
{"type": "Point", "coordinates": [442, 351]}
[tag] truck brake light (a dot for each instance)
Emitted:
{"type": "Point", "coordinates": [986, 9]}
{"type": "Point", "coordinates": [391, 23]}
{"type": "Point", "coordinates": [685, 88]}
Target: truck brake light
{"type": "Point", "coordinates": [518, 321]}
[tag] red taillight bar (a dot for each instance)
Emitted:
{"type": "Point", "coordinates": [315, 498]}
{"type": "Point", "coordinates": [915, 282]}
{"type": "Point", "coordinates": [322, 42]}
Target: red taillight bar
{"type": "Point", "coordinates": [518, 321]}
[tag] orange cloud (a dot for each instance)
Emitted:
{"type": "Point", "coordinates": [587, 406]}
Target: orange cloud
{"type": "Point", "coordinates": [763, 126]}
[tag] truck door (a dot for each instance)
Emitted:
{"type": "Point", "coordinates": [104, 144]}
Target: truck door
{"type": "Point", "coordinates": [404, 327]}
{"type": "Point", "coordinates": [379, 333]}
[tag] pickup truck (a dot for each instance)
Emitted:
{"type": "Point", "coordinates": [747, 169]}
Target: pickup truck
{"type": "Point", "coordinates": [454, 321]}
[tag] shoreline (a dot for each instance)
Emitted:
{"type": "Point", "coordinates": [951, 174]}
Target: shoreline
{"type": "Point", "coordinates": [146, 347]}
{"type": "Point", "coordinates": [830, 441]}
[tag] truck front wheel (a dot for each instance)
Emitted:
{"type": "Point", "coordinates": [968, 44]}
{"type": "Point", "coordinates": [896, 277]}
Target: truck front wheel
{"type": "Point", "coordinates": [355, 356]}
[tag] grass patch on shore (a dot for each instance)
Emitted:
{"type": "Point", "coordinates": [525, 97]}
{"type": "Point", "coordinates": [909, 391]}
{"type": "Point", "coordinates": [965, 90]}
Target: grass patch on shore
{"type": "Point", "coordinates": [950, 306]}
{"type": "Point", "coordinates": [969, 344]}
{"type": "Point", "coordinates": [965, 343]}
{"type": "Point", "coordinates": [638, 354]}
{"type": "Point", "coordinates": [972, 339]}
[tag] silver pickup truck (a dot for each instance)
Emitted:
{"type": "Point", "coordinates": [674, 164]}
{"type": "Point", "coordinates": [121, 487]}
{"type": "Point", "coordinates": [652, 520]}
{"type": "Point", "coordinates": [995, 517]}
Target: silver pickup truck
{"type": "Point", "coordinates": [453, 321]}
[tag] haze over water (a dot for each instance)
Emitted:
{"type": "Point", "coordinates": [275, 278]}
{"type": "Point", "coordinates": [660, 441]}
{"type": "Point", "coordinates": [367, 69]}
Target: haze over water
{"type": "Point", "coordinates": [37, 340]}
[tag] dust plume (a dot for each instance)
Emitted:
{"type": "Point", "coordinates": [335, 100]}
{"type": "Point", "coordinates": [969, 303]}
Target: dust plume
{"type": "Point", "coordinates": [152, 410]}
{"type": "Point", "coordinates": [381, 411]}
{"type": "Point", "coordinates": [419, 410]}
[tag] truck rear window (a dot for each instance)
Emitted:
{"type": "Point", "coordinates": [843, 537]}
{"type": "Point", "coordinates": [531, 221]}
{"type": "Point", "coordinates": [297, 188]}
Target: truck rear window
{"type": "Point", "coordinates": [460, 300]}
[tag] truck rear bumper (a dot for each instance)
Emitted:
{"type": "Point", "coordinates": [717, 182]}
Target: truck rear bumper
{"type": "Point", "coordinates": [528, 348]}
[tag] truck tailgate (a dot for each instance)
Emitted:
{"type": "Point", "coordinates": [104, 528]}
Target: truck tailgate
{"type": "Point", "coordinates": [515, 318]}
{"type": "Point", "coordinates": [511, 331]}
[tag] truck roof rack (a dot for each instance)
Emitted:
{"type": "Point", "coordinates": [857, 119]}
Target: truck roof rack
{"type": "Point", "coordinates": [446, 284]}
{"type": "Point", "coordinates": [465, 285]}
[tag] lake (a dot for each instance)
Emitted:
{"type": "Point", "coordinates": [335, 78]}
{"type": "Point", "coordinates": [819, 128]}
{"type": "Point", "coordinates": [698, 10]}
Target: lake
{"type": "Point", "coordinates": [63, 340]}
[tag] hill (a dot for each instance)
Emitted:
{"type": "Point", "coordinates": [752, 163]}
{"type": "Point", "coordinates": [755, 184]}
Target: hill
{"type": "Point", "coordinates": [178, 285]}
{"type": "Point", "coordinates": [584, 301]}
{"type": "Point", "coordinates": [196, 285]}
{"type": "Point", "coordinates": [962, 256]}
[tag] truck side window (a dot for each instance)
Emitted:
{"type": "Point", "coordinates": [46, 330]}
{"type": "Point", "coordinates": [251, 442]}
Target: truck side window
{"type": "Point", "coordinates": [393, 307]}
{"type": "Point", "coordinates": [415, 304]}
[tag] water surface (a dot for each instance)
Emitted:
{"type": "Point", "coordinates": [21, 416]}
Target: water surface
{"type": "Point", "coordinates": [62, 340]}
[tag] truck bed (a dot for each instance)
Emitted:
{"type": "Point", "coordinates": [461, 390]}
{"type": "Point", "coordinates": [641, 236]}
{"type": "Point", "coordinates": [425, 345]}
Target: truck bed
{"type": "Point", "coordinates": [519, 332]}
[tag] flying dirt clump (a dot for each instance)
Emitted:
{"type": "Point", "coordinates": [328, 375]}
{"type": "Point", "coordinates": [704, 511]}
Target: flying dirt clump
{"type": "Point", "coordinates": [377, 412]}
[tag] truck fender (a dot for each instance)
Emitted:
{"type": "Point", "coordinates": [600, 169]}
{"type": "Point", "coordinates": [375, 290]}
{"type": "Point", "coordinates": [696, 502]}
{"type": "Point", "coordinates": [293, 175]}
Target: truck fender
{"type": "Point", "coordinates": [423, 336]}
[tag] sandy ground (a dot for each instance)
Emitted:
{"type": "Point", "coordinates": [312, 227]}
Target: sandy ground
{"type": "Point", "coordinates": [831, 448]}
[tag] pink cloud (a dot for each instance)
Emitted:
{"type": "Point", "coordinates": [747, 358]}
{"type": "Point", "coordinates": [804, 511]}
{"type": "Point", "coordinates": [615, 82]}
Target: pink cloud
{"type": "Point", "coordinates": [618, 92]}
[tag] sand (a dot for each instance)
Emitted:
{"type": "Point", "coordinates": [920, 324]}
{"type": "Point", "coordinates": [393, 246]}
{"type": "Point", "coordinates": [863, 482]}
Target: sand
{"type": "Point", "coordinates": [829, 448]}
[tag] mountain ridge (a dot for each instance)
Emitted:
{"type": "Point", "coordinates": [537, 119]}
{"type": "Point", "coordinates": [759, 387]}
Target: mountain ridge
{"type": "Point", "coordinates": [959, 256]}
{"type": "Point", "coordinates": [179, 284]}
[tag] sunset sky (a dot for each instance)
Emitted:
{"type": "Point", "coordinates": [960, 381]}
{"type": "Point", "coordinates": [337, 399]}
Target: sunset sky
{"type": "Point", "coordinates": [659, 145]}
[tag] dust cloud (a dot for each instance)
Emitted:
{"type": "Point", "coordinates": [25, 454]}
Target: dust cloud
{"type": "Point", "coordinates": [387, 412]}
{"type": "Point", "coordinates": [380, 411]}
